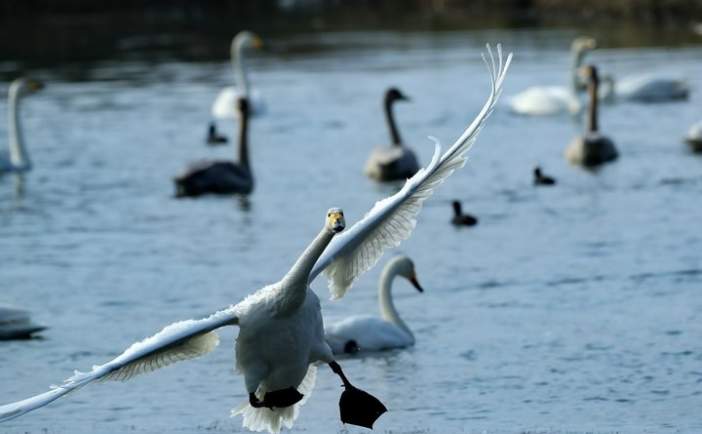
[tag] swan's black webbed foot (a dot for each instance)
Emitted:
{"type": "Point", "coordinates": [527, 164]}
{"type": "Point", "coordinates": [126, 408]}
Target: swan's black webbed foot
{"type": "Point", "coordinates": [356, 406]}
{"type": "Point", "coordinates": [279, 398]}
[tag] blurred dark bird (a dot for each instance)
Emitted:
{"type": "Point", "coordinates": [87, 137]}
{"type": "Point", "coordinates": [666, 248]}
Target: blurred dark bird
{"type": "Point", "coordinates": [541, 179]}
{"type": "Point", "coordinates": [213, 137]}
{"type": "Point", "coordinates": [221, 177]}
{"type": "Point", "coordinates": [591, 149]}
{"type": "Point", "coordinates": [694, 137]}
{"type": "Point", "coordinates": [460, 219]}
{"type": "Point", "coordinates": [395, 162]}
{"type": "Point", "coordinates": [16, 324]}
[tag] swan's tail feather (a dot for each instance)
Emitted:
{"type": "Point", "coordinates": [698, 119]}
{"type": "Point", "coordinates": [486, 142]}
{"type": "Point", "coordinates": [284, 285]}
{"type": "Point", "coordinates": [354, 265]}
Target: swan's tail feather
{"type": "Point", "coordinates": [265, 419]}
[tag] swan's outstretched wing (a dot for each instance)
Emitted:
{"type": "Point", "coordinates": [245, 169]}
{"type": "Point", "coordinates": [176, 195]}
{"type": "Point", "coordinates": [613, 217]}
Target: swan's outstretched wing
{"type": "Point", "coordinates": [392, 219]}
{"type": "Point", "coordinates": [179, 341]}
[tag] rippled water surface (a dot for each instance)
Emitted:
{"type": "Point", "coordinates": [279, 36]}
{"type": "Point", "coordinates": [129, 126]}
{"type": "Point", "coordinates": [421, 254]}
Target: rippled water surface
{"type": "Point", "coordinates": [571, 309]}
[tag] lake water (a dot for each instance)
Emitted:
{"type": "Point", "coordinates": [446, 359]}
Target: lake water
{"type": "Point", "coordinates": [576, 308]}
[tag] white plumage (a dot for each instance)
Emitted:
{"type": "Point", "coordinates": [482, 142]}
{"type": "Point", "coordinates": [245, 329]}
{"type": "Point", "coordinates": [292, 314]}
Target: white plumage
{"type": "Point", "coordinates": [281, 333]}
{"type": "Point", "coordinates": [553, 100]}
{"type": "Point", "coordinates": [224, 106]}
{"type": "Point", "coordinates": [364, 333]}
{"type": "Point", "coordinates": [650, 88]}
{"type": "Point", "coordinates": [694, 137]}
{"type": "Point", "coordinates": [392, 219]}
{"type": "Point", "coordinates": [17, 157]}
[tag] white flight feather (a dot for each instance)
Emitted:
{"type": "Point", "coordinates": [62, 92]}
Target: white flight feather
{"type": "Point", "coordinates": [392, 219]}
{"type": "Point", "coordinates": [182, 340]}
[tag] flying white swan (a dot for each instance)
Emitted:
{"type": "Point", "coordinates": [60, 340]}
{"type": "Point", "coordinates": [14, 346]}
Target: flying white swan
{"type": "Point", "coordinates": [17, 159]}
{"type": "Point", "coordinates": [221, 177]}
{"type": "Point", "coordinates": [362, 333]}
{"type": "Point", "coordinates": [591, 149]}
{"type": "Point", "coordinates": [16, 324]}
{"type": "Point", "coordinates": [281, 334]}
{"type": "Point", "coordinates": [552, 100]}
{"type": "Point", "coordinates": [694, 137]}
{"type": "Point", "coordinates": [224, 106]}
{"type": "Point", "coordinates": [395, 162]}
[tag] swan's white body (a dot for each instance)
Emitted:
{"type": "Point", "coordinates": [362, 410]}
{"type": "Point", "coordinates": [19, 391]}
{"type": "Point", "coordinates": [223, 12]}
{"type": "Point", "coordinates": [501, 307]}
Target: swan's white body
{"type": "Point", "coordinates": [16, 324]}
{"type": "Point", "coordinates": [286, 315]}
{"type": "Point", "coordinates": [224, 106]}
{"type": "Point", "coordinates": [694, 137]}
{"type": "Point", "coordinates": [17, 159]}
{"type": "Point", "coordinates": [370, 333]}
{"type": "Point", "coordinates": [545, 101]}
{"type": "Point", "coordinates": [553, 100]}
{"type": "Point", "coordinates": [647, 88]}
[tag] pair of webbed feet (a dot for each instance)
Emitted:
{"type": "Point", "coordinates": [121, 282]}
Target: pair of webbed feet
{"type": "Point", "coordinates": [356, 406]}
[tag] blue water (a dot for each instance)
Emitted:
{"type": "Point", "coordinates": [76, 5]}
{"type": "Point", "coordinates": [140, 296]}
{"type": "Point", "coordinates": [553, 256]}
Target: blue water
{"type": "Point", "coordinates": [570, 309]}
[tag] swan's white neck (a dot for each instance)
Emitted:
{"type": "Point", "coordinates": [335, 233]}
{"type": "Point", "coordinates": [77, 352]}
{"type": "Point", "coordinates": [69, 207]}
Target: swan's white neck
{"type": "Point", "coordinates": [294, 285]}
{"type": "Point", "coordinates": [237, 59]}
{"type": "Point", "coordinates": [387, 306]}
{"type": "Point", "coordinates": [19, 158]}
{"type": "Point", "coordinates": [577, 61]}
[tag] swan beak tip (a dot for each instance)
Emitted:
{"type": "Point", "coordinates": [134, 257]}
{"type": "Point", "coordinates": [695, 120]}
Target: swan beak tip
{"type": "Point", "coordinates": [416, 284]}
{"type": "Point", "coordinates": [258, 43]}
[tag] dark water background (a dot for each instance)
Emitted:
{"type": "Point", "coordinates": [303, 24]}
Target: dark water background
{"type": "Point", "coordinates": [572, 309]}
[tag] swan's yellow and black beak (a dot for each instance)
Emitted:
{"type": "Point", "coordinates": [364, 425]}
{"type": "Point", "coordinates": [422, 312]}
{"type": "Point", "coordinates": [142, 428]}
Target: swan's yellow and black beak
{"type": "Point", "coordinates": [335, 220]}
{"type": "Point", "coordinates": [257, 42]}
{"type": "Point", "coordinates": [35, 85]}
{"type": "Point", "coordinates": [413, 280]}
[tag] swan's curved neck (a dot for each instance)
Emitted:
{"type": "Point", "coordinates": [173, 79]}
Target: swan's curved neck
{"type": "Point", "coordinates": [237, 59]}
{"type": "Point", "coordinates": [294, 284]}
{"type": "Point", "coordinates": [592, 113]}
{"type": "Point", "coordinates": [394, 133]}
{"type": "Point", "coordinates": [387, 306]}
{"type": "Point", "coordinates": [577, 57]}
{"type": "Point", "coordinates": [244, 139]}
{"type": "Point", "coordinates": [19, 158]}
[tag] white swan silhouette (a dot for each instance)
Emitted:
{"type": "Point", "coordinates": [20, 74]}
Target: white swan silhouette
{"type": "Point", "coordinates": [362, 333]}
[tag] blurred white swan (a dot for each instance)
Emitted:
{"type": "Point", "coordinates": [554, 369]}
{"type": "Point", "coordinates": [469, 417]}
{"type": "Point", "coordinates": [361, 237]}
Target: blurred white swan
{"type": "Point", "coordinates": [224, 106]}
{"type": "Point", "coordinates": [281, 334]}
{"type": "Point", "coordinates": [395, 162]}
{"type": "Point", "coordinates": [552, 100]}
{"type": "Point", "coordinates": [647, 88]}
{"type": "Point", "coordinates": [694, 137]}
{"type": "Point", "coordinates": [16, 324]}
{"type": "Point", "coordinates": [17, 159]}
{"type": "Point", "coordinates": [363, 333]}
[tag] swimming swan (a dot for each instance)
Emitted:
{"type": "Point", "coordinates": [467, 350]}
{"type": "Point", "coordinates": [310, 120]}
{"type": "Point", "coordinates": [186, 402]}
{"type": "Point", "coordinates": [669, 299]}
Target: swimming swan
{"type": "Point", "coordinates": [224, 106]}
{"type": "Point", "coordinates": [363, 333]}
{"type": "Point", "coordinates": [281, 334]}
{"type": "Point", "coordinates": [16, 324]}
{"type": "Point", "coordinates": [17, 159]}
{"type": "Point", "coordinates": [552, 100]}
{"type": "Point", "coordinates": [221, 177]}
{"type": "Point", "coordinates": [593, 148]}
{"type": "Point", "coordinates": [694, 137]}
{"type": "Point", "coordinates": [395, 162]}
{"type": "Point", "coordinates": [647, 88]}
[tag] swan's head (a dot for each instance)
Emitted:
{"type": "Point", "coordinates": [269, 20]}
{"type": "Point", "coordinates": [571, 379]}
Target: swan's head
{"type": "Point", "coordinates": [394, 94]}
{"type": "Point", "coordinates": [405, 268]}
{"type": "Point", "coordinates": [335, 220]}
{"type": "Point", "coordinates": [246, 39]}
{"type": "Point", "coordinates": [583, 44]}
{"type": "Point", "coordinates": [589, 73]}
{"type": "Point", "coordinates": [27, 86]}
